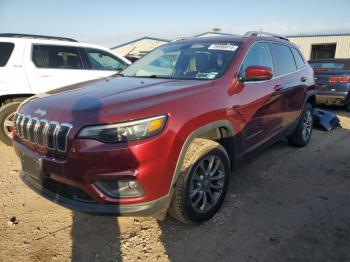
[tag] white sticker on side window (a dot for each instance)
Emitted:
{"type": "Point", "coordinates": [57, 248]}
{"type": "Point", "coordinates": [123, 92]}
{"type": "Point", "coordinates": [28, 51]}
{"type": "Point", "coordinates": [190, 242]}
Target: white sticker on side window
{"type": "Point", "coordinates": [224, 47]}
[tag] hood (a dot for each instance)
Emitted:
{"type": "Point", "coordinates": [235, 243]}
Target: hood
{"type": "Point", "coordinates": [109, 100]}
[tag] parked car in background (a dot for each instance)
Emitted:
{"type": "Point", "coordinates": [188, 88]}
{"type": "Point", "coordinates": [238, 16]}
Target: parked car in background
{"type": "Point", "coordinates": [165, 134]}
{"type": "Point", "coordinates": [32, 64]}
{"type": "Point", "coordinates": [332, 78]}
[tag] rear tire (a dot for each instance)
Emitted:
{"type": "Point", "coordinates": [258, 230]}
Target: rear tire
{"type": "Point", "coordinates": [7, 112]}
{"type": "Point", "coordinates": [302, 134]}
{"type": "Point", "coordinates": [202, 184]}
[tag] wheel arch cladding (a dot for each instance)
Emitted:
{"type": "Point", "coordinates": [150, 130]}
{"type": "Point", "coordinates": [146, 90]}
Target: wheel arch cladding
{"type": "Point", "coordinates": [225, 134]}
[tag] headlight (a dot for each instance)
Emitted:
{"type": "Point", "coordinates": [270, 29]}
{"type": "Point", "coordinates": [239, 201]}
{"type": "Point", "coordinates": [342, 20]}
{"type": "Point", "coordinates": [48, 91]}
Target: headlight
{"type": "Point", "coordinates": [124, 132]}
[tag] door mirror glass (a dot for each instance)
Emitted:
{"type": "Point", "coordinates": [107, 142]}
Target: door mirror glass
{"type": "Point", "coordinates": [258, 73]}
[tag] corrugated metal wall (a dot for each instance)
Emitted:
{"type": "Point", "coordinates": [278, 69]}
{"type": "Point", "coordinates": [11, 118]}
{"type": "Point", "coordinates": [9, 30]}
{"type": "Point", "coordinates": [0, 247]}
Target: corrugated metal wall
{"type": "Point", "coordinates": [342, 42]}
{"type": "Point", "coordinates": [144, 45]}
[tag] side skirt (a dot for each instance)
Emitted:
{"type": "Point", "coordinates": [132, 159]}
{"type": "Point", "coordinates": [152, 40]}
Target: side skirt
{"type": "Point", "coordinates": [267, 142]}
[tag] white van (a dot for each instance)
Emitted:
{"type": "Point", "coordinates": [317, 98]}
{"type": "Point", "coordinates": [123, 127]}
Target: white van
{"type": "Point", "coordinates": [32, 64]}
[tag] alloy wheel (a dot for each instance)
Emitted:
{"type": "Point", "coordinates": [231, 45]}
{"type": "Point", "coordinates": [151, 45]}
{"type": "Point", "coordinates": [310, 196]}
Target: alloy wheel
{"type": "Point", "coordinates": [207, 183]}
{"type": "Point", "coordinates": [8, 125]}
{"type": "Point", "coordinates": [307, 125]}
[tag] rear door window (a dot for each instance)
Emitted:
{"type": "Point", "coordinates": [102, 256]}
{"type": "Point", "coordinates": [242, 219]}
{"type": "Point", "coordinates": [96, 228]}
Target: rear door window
{"type": "Point", "coordinates": [5, 52]}
{"type": "Point", "coordinates": [298, 58]}
{"type": "Point", "coordinates": [58, 57]}
{"type": "Point", "coordinates": [258, 55]}
{"type": "Point", "coordinates": [284, 59]}
{"type": "Point", "coordinates": [101, 60]}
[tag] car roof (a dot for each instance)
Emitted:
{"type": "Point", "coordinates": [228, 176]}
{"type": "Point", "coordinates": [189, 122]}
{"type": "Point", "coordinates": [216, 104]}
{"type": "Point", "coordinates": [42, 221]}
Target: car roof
{"type": "Point", "coordinates": [46, 41]}
{"type": "Point", "coordinates": [237, 39]}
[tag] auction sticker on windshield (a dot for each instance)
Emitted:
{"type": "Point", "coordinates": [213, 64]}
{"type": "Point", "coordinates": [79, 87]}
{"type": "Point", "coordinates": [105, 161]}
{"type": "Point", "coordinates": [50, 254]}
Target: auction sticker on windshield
{"type": "Point", "coordinates": [225, 47]}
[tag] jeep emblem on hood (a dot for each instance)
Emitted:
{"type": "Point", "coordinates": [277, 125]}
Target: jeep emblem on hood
{"type": "Point", "coordinates": [40, 112]}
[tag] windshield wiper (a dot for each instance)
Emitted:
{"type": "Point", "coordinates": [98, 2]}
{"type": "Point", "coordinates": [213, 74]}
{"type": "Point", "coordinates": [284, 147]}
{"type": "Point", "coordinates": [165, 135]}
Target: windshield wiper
{"type": "Point", "coordinates": [151, 76]}
{"type": "Point", "coordinates": [118, 74]}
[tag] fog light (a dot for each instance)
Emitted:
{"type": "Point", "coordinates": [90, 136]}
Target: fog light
{"type": "Point", "coordinates": [120, 188]}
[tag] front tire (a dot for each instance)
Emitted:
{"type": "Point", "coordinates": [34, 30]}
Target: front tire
{"type": "Point", "coordinates": [7, 113]}
{"type": "Point", "coordinates": [302, 134]}
{"type": "Point", "coordinates": [202, 184]}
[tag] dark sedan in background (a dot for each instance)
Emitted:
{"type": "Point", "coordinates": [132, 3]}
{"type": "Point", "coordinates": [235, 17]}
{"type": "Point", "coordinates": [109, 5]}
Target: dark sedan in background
{"type": "Point", "coordinates": [332, 78]}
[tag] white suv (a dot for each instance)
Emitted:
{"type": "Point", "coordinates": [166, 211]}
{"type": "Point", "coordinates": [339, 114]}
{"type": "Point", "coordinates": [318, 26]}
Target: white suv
{"type": "Point", "coordinates": [31, 64]}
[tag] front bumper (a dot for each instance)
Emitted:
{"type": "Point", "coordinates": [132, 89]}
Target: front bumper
{"type": "Point", "coordinates": [72, 181]}
{"type": "Point", "coordinates": [331, 98]}
{"type": "Point", "coordinates": [76, 199]}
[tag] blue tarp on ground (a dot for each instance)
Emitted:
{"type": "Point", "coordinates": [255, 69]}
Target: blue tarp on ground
{"type": "Point", "coordinates": [325, 120]}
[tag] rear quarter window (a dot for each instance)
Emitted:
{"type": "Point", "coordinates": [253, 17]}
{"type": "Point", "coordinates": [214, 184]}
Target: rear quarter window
{"type": "Point", "coordinates": [283, 58]}
{"type": "Point", "coordinates": [6, 50]}
{"type": "Point", "coordinates": [298, 58]}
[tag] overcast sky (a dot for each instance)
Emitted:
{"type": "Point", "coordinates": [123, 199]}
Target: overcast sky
{"type": "Point", "coordinates": [111, 23]}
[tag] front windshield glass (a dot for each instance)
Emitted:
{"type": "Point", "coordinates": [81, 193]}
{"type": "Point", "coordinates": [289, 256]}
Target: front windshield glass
{"type": "Point", "coordinates": [200, 61]}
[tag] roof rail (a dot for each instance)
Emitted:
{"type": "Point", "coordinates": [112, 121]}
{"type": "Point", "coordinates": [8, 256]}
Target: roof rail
{"type": "Point", "coordinates": [260, 33]}
{"type": "Point", "coordinates": [179, 39]}
{"type": "Point", "coordinates": [38, 37]}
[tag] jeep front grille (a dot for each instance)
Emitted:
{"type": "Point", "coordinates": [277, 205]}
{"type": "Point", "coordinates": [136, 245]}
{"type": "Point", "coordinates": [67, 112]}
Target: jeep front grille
{"type": "Point", "coordinates": [49, 134]}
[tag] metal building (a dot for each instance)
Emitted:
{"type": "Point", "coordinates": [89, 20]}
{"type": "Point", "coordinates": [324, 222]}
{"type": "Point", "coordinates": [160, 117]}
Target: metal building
{"type": "Point", "coordinates": [139, 47]}
{"type": "Point", "coordinates": [323, 46]}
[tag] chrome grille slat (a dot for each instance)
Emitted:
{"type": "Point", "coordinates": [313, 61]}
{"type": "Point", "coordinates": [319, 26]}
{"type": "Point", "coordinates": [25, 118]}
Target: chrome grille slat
{"type": "Point", "coordinates": [31, 130]}
{"type": "Point", "coordinates": [61, 137]}
{"type": "Point", "coordinates": [51, 133]}
{"type": "Point", "coordinates": [44, 133]}
{"type": "Point", "coordinates": [27, 128]}
{"type": "Point", "coordinates": [20, 126]}
{"type": "Point", "coordinates": [18, 120]}
{"type": "Point", "coordinates": [25, 123]}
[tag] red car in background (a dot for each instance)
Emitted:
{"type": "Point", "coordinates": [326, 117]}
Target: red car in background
{"type": "Point", "coordinates": [164, 134]}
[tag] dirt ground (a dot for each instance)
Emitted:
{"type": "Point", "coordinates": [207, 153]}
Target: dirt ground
{"type": "Point", "coordinates": [285, 204]}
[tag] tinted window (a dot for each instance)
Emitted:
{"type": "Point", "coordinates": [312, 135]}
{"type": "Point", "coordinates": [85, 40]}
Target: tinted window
{"type": "Point", "coordinates": [283, 58]}
{"type": "Point", "coordinates": [100, 60]}
{"type": "Point", "coordinates": [5, 53]}
{"type": "Point", "coordinates": [298, 58]}
{"type": "Point", "coordinates": [258, 55]}
{"type": "Point", "coordinates": [200, 61]}
{"type": "Point", "coordinates": [50, 56]}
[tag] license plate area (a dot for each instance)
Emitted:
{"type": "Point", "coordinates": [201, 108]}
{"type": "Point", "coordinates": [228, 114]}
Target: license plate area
{"type": "Point", "coordinates": [33, 166]}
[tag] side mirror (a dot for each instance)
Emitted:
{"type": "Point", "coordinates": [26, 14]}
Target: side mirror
{"type": "Point", "coordinates": [258, 73]}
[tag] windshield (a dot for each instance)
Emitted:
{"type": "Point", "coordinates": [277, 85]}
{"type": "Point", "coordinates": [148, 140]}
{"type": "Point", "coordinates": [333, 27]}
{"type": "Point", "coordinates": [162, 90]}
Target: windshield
{"type": "Point", "coordinates": [201, 61]}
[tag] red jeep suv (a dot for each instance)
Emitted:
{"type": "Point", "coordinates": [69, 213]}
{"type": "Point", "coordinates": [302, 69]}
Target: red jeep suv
{"type": "Point", "coordinates": [163, 135]}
